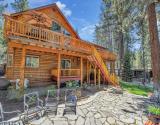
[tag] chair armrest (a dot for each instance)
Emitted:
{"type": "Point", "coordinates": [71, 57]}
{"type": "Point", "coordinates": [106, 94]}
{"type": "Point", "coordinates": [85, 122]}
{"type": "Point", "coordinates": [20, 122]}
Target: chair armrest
{"type": "Point", "coordinates": [40, 102]}
{"type": "Point", "coordinates": [26, 107]}
{"type": "Point", "coordinates": [16, 111]}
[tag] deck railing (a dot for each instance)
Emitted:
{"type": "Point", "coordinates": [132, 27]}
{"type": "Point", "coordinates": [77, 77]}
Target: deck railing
{"type": "Point", "coordinates": [70, 72]}
{"type": "Point", "coordinates": [16, 28]}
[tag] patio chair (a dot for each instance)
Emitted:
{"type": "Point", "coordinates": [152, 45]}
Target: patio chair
{"type": "Point", "coordinates": [33, 107]}
{"type": "Point", "coordinates": [70, 101]}
{"type": "Point", "coordinates": [52, 101]}
{"type": "Point", "coordinates": [10, 122]}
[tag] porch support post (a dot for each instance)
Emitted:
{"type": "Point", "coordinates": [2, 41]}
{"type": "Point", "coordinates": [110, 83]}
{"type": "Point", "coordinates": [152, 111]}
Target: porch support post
{"type": "Point", "coordinates": [81, 71]}
{"type": "Point", "coordinates": [58, 70]}
{"type": "Point", "coordinates": [22, 71]}
{"type": "Point", "coordinates": [87, 71]}
{"type": "Point", "coordinates": [99, 78]}
{"type": "Point", "coordinates": [95, 75]}
{"type": "Point", "coordinates": [89, 81]}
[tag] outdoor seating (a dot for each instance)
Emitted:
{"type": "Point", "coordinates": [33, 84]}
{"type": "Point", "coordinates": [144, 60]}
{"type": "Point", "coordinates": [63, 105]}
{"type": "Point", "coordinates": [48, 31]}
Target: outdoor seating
{"type": "Point", "coordinates": [33, 107]}
{"type": "Point", "coordinates": [52, 101]}
{"type": "Point", "coordinates": [11, 122]}
{"type": "Point", "coordinates": [70, 101]}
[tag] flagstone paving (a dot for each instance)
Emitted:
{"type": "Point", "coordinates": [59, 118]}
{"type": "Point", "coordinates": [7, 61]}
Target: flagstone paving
{"type": "Point", "coordinates": [104, 108]}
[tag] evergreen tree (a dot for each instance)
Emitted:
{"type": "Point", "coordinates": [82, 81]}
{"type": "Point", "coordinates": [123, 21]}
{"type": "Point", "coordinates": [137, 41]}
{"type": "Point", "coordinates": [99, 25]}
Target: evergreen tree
{"type": "Point", "coordinates": [3, 6]}
{"type": "Point", "coordinates": [127, 72]}
{"type": "Point", "coordinates": [20, 5]}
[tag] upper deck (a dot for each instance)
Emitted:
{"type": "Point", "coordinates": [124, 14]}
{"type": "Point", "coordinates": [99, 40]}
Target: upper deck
{"type": "Point", "coordinates": [47, 27]}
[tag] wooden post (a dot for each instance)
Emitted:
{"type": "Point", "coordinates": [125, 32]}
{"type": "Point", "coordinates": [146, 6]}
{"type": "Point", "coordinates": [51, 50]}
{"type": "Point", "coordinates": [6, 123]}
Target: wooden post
{"type": "Point", "coordinates": [22, 71]}
{"type": "Point", "coordinates": [95, 75]}
{"type": "Point", "coordinates": [87, 72]}
{"type": "Point", "coordinates": [81, 71]}
{"type": "Point", "coordinates": [99, 78]}
{"type": "Point", "coordinates": [59, 70]}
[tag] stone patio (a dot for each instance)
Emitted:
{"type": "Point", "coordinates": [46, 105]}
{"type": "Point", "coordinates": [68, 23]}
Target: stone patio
{"type": "Point", "coordinates": [103, 108]}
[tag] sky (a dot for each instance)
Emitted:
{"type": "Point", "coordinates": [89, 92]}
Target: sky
{"type": "Point", "coordinates": [82, 14]}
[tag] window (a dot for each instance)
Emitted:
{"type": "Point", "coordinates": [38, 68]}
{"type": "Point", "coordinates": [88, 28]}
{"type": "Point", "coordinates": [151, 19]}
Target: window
{"type": "Point", "coordinates": [32, 61]}
{"type": "Point", "coordinates": [56, 27]}
{"type": "Point", "coordinates": [66, 63]}
{"type": "Point", "coordinates": [66, 32]}
{"type": "Point", "coordinates": [10, 60]}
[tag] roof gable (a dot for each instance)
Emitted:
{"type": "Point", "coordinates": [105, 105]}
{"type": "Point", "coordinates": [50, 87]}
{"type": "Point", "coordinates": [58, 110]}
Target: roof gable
{"type": "Point", "coordinates": [53, 12]}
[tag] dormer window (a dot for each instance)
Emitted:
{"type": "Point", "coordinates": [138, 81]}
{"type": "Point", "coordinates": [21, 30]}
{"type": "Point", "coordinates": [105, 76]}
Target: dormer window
{"type": "Point", "coordinates": [56, 27]}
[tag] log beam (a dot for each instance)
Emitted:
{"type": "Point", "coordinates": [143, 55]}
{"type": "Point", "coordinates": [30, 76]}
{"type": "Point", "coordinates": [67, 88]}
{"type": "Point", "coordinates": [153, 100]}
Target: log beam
{"type": "Point", "coordinates": [81, 67]}
{"type": "Point", "coordinates": [99, 78]}
{"type": "Point", "coordinates": [22, 71]}
{"type": "Point", "coordinates": [95, 75]}
{"type": "Point", "coordinates": [58, 71]}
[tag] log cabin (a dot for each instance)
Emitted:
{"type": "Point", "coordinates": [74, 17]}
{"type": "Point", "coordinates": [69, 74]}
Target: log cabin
{"type": "Point", "coordinates": [43, 47]}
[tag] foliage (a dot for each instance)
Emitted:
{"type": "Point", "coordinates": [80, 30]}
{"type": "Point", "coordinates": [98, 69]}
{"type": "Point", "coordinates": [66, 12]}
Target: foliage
{"type": "Point", "coordinates": [136, 89]}
{"type": "Point", "coordinates": [3, 6]}
{"type": "Point", "coordinates": [14, 94]}
{"type": "Point", "coordinates": [20, 5]}
{"type": "Point", "coordinates": [72, 84]}
{"type": "Point", "coordinates": [155, 110]}
{"type": "Point", "coordinates": [122, 28]}
{"type": "Point", "coordinates": [127, 72]}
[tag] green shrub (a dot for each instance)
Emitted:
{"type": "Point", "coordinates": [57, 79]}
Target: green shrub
{"type": "Point", "coordinates": [155, 110]}
{"type": "Point", "coordinates": [14, 94]}
{"type": "Point", "coordinates": [72, 84]}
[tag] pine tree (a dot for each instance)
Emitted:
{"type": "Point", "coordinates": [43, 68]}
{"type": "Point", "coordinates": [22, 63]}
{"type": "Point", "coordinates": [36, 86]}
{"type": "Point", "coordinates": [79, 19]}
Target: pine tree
{"type": "Point", "coordinates": [127, 72]}
{"type": "Point", "coordinates": [3, 6]}
{"type": "Point", "coordinates": [20, 5]}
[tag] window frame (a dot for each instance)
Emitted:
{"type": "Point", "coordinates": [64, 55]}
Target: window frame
{"type": "Point", "coordinates": [31, 57]}
{"type": "Point", "coordinates": [8, 60]}
{"type": "Point", "coordinates": [54, 22]}
{"type": "Point", "coordinates": [65, 64]}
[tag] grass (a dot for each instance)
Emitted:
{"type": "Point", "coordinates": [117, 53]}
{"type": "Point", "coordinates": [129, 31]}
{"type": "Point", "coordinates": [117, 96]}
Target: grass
{"type": "Point", "coordinates": [136, 89]}
{"type": "Point", "coordinates": [154, 110]}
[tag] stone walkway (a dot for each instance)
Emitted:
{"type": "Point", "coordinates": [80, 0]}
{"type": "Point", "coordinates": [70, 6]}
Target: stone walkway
{"type": "Point", "coordinates": [104, 108]}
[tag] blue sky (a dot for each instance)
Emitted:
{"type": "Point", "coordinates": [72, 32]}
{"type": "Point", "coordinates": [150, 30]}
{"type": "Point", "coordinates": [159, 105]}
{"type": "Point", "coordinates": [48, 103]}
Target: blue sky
{"type": "Point", "coordinates": [82, 14]}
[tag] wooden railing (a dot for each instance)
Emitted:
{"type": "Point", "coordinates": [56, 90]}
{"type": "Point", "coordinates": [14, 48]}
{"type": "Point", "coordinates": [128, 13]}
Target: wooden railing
{"type": "Point", "coordinates": [14, 28]}
{"type": "Point", "coordinates": [70, 72]}
{"type": "Point", "coordinates": [110, 77]}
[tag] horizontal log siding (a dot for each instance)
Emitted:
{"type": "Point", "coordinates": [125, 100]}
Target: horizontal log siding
{"type": "Point", "coordinates": [47, 62]}
{"type": "Point", "coordinates": [41, 75]}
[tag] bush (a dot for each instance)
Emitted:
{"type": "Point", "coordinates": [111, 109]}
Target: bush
{"type": "Point", "coordinates": [72, 84]}
{"type": "Point", "coordinates": [155, 110]}
{"type": "Point", "coordinates": [14, 94]}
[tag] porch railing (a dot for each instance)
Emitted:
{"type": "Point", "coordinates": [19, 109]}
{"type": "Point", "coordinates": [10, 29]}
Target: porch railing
{"type": "Point", "coordinates": [70, 72]}
{"type": "Point", "coordinates": [16, 28]}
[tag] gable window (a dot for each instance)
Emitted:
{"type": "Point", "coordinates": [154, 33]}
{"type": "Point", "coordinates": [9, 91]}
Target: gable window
{"type": "Point", "coordinates": [56, 27]}
{"type": "Point", "coordinates": [10, 60]}
{"type": "Point", "coordinates": [65, 63]}
{"type": "Point", "coordinates": [66, 32]}
{"type": "Point", "coordinates": [32, 61]}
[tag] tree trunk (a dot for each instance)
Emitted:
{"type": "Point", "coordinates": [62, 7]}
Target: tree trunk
{"type": "Point", "coordinates": [155, 45]}
{"type": "Point", "coordinates": [121, 52]}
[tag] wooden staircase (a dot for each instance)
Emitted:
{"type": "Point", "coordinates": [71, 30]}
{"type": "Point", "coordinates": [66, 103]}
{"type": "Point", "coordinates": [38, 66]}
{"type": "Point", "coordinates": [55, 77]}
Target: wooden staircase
{"type": "Point", "coordinates": [97, 60]}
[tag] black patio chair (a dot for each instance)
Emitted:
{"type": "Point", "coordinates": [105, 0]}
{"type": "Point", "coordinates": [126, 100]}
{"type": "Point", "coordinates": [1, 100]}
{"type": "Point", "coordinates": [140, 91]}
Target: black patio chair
{"type": "Point", "coordinates": [10, 122]}
{"type": "Point", "coordinates": [70, 101]}
{"type": "Point", "coordinates": [33, 107]}
{"type": "Point", "coordinates": [52, 101]}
